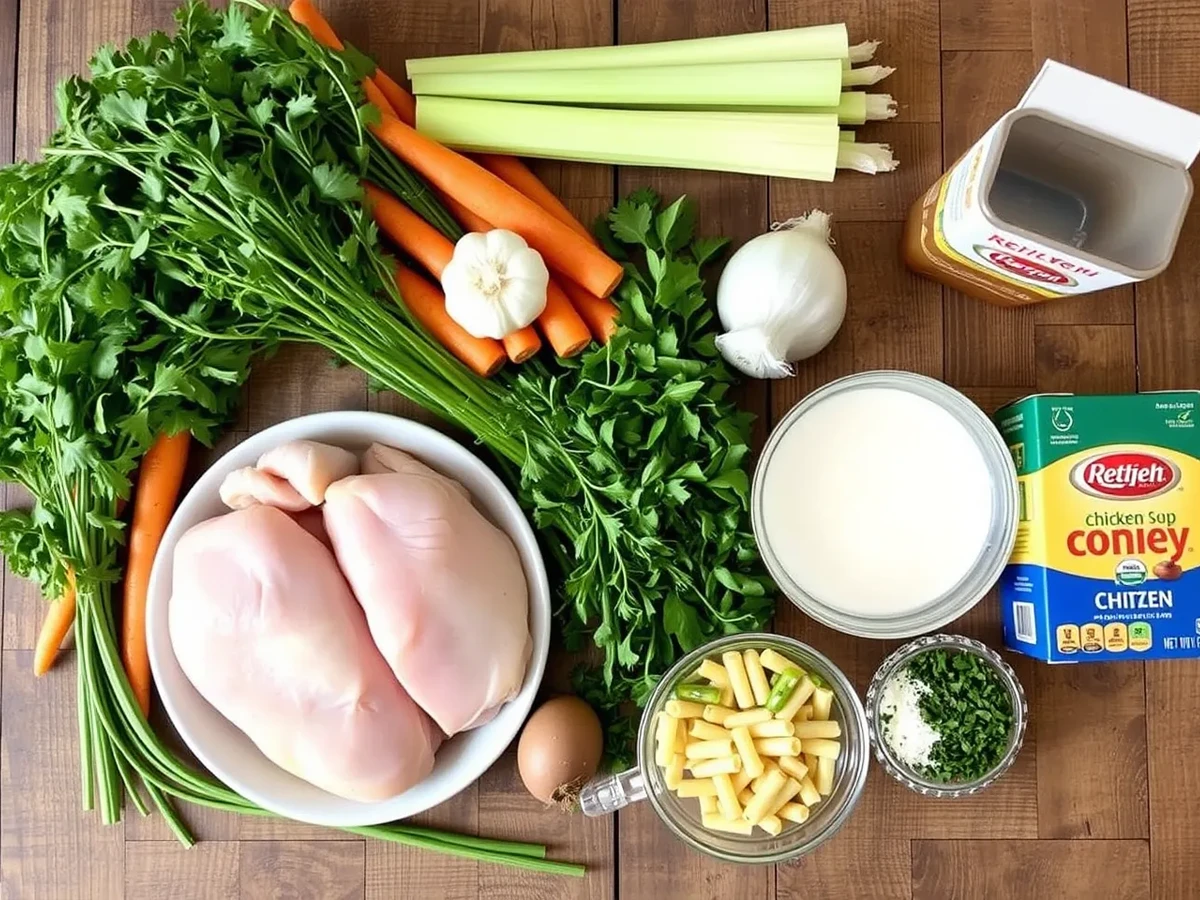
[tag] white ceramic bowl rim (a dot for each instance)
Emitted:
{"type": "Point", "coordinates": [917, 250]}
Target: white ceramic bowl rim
{"type": "Point", "coordinates": [226, 751]}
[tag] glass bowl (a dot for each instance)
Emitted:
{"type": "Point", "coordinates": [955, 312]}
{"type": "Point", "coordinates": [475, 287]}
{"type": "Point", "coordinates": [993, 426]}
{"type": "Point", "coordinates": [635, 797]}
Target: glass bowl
{"type": "Point", "coordinates": [682, 816]}
{"type": "Point", "coordinates": [993, 556]}
{"type": "Point", "coordinates": [904, 773]}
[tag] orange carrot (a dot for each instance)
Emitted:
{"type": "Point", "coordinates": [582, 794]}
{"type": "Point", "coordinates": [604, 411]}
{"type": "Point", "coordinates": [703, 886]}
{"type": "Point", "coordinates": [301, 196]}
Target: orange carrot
{"type": "Point", "coordinates": [402, 101]}
{"type": "Point", "coordinates": [376, 96]}
{"type": "Point", "coordinates": [159, 479]}
{"type": "Point", "coordinates": [304, 13]}
{"type": "Point", "coordinates": [522, 344]}
{"type": "Point", "coordinates": [600, 313]}
{"type": "Point", "coordinates": [427, 304]}
{"type": "Point", "coordinates": [562, 324]}
{"type": "Point", "coordinates": [517, 174]}
{"type": "Point", "coordinates": [408, 231]}
{"type": "Point", "coordinates": [58, 621]}
{"type": "Point", "coordinates": [489, 197]}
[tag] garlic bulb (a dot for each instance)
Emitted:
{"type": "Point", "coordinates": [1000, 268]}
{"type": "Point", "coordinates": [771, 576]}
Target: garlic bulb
{"type": "Point", "coordinates": [781, 298]}
{"type": "Point", "coordinates": [495, 283]}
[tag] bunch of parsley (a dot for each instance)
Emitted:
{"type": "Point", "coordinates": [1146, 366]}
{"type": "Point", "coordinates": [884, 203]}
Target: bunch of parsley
{"type": "Point", "coordinates": [657, 505]}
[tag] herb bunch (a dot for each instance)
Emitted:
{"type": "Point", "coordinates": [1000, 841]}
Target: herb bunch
{"type": "Point", "coordinates": [658, 503]}
{"type": "Point", "coordinates": [969, 706]}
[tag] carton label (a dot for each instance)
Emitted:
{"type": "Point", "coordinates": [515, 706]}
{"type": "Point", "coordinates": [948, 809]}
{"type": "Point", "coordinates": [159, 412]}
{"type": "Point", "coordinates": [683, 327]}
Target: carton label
{"type": "Point", "coordinates": [1105, 565]}
{"type": "Point", "coordinates": [964, 232]}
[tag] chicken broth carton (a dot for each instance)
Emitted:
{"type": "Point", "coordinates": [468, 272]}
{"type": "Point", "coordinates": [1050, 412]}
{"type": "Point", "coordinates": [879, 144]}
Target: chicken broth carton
{"type": "Point", "coordinates": [1105, 565]}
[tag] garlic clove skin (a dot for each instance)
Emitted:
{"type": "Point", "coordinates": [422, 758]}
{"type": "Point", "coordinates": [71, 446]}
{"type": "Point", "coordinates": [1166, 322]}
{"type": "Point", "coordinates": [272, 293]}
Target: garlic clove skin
{"type": "Point", "coordinates": [495, 283]}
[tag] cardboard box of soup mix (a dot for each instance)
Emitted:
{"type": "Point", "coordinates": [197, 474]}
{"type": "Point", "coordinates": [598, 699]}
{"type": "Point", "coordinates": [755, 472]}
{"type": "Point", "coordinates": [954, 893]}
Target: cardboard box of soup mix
{"type": "Point", "coordinates": [1105, 565]}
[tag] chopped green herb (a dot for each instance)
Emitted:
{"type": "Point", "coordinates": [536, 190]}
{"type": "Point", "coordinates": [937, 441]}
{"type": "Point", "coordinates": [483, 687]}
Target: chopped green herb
{"type": "Point", "coordinates": [969, 706]}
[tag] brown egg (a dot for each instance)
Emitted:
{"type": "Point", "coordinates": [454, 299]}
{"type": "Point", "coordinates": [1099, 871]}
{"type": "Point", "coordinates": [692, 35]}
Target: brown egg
{"type": "Point", "coordinates": [560, 750]}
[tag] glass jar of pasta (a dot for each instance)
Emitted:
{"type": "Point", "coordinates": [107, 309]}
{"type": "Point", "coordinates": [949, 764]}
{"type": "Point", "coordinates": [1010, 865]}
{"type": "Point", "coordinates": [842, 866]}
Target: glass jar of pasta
{"type": "Point", "coordinates": [752, 749]}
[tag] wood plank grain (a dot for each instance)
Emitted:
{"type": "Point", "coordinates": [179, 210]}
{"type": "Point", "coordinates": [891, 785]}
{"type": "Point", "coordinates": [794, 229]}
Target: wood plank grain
{"type": "Point", "coordinates": [909, 30]}
{"type": "Point", "coordinates": [1172, 713]}
{"type": "Point", "coordinates": [850, 867]}
{"type": "Point", "coordinates": [56, 39]}
{"type": "Point", "coordinates": [49, 848]}
{"type": "Point", "coordinates": [301, 870]}
{"type": "Point", "coordinates": [158, 869]}
{"type": "Point", "coordinates": [1088, 359]}
{"type": "Point", "coordinates": [985, 344]}
{"type": "Point", "coordinates": [506, 810]}
{"type": "Point", "coordinates": [8, 77]}
{"type": "Point", "coordinates": [301, 379]}
{"type": "Point", "coordinates": [1163, 62]}
{"type": "Point", "coordinates": [854, 197]}
{"type": "Point", "coordinates": [986, 25]}
{"type": "Point", "coordinates": [397, 871]}
{"type": "Point", "coordinates": [1030, 870]}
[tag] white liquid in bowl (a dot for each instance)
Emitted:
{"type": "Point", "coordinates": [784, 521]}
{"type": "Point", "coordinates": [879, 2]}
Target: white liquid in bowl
{"type": "Point", "coordinates": [876, 501]}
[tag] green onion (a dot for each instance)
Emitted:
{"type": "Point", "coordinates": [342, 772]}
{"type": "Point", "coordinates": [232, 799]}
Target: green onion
{"type": "Point", "coordinates": [700, 693]}
{"type": "Point", "coordinates": [814, 42]}
{"type": "Point", "coordinates": [816, 679]}
{"type": "Point", "coordinates": [783, 689]}
{"type": "Point", "coordinates": [790, 83]}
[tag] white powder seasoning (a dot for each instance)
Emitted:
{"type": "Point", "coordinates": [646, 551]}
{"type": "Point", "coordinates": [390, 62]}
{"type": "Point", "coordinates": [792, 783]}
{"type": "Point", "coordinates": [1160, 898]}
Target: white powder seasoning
{"type": "Point", "coordinates": [905, 730]}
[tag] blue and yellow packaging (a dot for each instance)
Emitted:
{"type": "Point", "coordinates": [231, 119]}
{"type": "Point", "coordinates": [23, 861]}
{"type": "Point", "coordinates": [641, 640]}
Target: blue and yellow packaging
{"type": "Point", "coordinates": [1105, 565]}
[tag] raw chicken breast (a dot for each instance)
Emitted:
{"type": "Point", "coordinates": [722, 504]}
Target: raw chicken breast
{"type": "Point", "coordinates": [265, 627]}
{"type": "Point", "coordinates": [249, 486]}
{"type": "Point", "coordinates": [443, 588]}
{"type": "Point", "coordinates": [309, 466]}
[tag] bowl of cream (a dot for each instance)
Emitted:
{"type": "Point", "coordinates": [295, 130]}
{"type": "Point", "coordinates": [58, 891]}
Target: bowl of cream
{"type": "Point", "coordinates": [885, 504]}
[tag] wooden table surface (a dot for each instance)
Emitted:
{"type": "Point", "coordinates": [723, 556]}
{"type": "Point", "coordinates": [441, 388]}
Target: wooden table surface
{"type": "Point", "coordinates": [1103, 800]}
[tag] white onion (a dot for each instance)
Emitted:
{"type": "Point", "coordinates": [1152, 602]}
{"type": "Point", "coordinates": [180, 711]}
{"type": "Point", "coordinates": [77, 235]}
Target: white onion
{"type": "Point", "coordinates": [781, 298]}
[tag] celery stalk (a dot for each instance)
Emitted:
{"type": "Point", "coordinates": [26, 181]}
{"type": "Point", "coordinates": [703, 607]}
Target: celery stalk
{"type": "Point", "coordinates": [814, 42]}
{"type": "Point", "coordinates": [787, 145]}
{"type": "Point", "coordinates": [816, 83]}
{"type": "Point", "coordinates": [865, 75]}
{"type": "Point", "coordinates": [854, 108]}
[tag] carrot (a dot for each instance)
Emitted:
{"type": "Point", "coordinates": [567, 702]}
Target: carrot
{"type": "Point", "coordinates": [159, 479]}
{"type": "Point", "coordinates": [561, 324]}
{"type": "Point", "coordinates": [599, 313]}
{"type": "Point", "coordinates": [484, 356]}
{"type": "Point", "coordinates": [522, 344]}
{"type": "Point", "coordinates": [496, 202]}
{"type": "Point", "coordinates": [376, 96]}
{"type": "Point", "coordinates": [518, 175]}
{"type": "Point", "coordinates": [304, 13]}
{"type": "Point", "coordinates": [55, 626]}
{"type": "Point", "coordinates": [402, 101]}
{"type": "Point", "coordinates": [408, 231]}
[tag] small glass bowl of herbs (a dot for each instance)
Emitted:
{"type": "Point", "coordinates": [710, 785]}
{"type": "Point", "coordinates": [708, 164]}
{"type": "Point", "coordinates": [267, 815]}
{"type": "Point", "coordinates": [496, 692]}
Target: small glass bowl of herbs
{"type": "Point", "coordinates": [946, 715]}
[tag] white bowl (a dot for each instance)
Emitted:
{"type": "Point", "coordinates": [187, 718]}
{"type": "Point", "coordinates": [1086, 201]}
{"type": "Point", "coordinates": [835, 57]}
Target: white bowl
{"type": "Point", "coordinates": [227, 752]}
